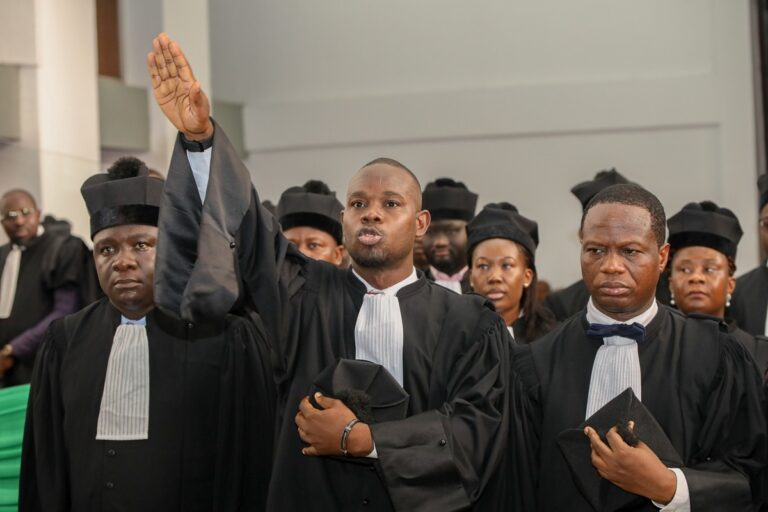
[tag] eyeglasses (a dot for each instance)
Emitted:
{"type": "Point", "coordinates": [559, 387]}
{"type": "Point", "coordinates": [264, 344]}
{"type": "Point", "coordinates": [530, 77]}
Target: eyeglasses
{"type": "Point", "coordinates": [14, 214]}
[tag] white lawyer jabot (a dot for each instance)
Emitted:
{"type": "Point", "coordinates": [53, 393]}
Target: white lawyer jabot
{"type": "Point", "coordinates": [617, 362]}
{"type": "Point", "coordinates": [10, 277]}
{"type": "Point", "coordinates": [9, 281]}
{"type": "Point", "coordinates": [124, 410]}
{"type": "Point", "coordinates": [379, 327]}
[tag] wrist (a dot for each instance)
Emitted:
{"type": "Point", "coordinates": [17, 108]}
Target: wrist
{"type": "Point", "coordinates": [203, 135]}
{"type": "Point", "coordinates": [667, 488]}
{"type": "Point", "coordinates": [7, 350]}
{"type": "Point", "coordinates": [360, 440]}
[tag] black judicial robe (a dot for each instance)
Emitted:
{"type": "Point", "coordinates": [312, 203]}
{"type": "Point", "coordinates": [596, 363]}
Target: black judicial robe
{"type": "Point", "coordinates": [757, 346]}
{"type": "Point", "coordinates": [455, 349]}
{"type": "Point", "coordinates": [49, 261]}
{"type": "Point", "coordinates": [750, 300]}
{"type": "Point", "coordinates": [210, 420]}
{"type": "Point", "coordinates": [698, 382]}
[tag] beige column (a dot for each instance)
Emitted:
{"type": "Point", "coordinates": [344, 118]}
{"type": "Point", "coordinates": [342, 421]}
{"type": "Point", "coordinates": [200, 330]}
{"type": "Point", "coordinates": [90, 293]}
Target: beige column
{"type": "Point", "coordinates": [67, 103]}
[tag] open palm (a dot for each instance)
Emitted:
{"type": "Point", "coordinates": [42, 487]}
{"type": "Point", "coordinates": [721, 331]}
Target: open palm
{"type": "Point", "coordinates": [177, 92]}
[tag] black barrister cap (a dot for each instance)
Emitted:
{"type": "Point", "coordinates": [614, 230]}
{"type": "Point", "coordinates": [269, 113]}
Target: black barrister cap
{"type": "Point", "coordinates": [586, 190]}
{"type": "Point", "coordinates": [602, 494]}
{"type": "Point", "coordinates": [368, 389]}
{"type": "Point", "coordinates": [312, 205]}
{"type": "Point", "coordinates": [125, 194]}
{"type": "Point", "coordinates": [447, 199]}
{"type": "Point", "coordinates": [705, 224]}
{"type": "Point", "coordinates": [502, 220]}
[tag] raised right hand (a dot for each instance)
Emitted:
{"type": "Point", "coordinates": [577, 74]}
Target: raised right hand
{"type": "Point", "coordinates": [177, 92]}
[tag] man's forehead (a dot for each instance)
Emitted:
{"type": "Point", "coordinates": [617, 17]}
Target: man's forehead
{"type": "Point", "coordinates": [395, 179]}
{"type": "Point", "coordinates": [125, 232]}
{"type": "Point", "coordinates": [617, 213]}
{"type": "Point", "coordinates": [16, 198]}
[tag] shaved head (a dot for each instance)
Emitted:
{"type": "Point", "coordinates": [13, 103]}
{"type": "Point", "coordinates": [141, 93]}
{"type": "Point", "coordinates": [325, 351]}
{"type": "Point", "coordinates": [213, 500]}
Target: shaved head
{"type": "Point", "coordinates": [385, 165]}
{"type": "Point", "coordinates": [381, 219]}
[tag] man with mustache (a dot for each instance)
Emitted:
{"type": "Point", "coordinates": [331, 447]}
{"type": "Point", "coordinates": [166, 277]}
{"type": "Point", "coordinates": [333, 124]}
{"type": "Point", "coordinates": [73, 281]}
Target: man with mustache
{"type": "Point", "coordinates": [447, 351]}
{"type": "Point", "coordinates": [695, 379]}
{"type": "Point", "coordinates": [44, 277]}
{"type": "Point", "coordinates": [451, 206]}
{"type": "Point", "coordinates": [131, 409]}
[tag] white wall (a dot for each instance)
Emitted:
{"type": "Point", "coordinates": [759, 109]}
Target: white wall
{"type": "Point", "coordinates": [520, 99]}
{"type": "Point", "coordinates": [54, 45]}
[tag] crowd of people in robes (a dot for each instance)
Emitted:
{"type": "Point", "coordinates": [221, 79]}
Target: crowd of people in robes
{"type": "Point", "coordinates": [388, 350]}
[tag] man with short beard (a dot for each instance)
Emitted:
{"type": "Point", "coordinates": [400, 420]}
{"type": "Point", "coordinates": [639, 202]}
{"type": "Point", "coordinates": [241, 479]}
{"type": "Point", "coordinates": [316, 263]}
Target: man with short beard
{"type": "Point", "coordinates": [451, 205]}
{"type": "Point", "coordinates": [445, 351]}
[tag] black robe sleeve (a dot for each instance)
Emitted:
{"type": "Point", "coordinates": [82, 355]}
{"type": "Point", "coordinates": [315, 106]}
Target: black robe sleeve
{"type": "Point", "coordinates": [442, 455]}
{"type": "Point", "coordinates": [211, 256]}
{"type": "Point", "coordinates": [44, 479]}
{"type": "Point", "coordinates": [246, 419]}
{"type": "Point", "coordinates": [733, 430]}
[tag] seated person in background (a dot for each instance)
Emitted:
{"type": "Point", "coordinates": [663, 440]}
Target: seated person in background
{"type": "Point", "coordinates": [310, 218]}
{"type": "Point", "coordinates": [46, 275]}
{"type": "Point", "coordinates": [131, 409]}
{"type": "Point", "coordinates": [703, 239]}
{"type": "Point", "coordinates": [502, 247]}
{"type": "Point", "coordinates": [451, 205]}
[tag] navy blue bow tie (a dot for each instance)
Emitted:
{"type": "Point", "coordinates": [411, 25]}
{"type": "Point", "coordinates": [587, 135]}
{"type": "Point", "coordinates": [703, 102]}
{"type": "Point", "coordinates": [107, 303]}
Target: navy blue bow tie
{"type": "Point", "coordinates": [635, 331]}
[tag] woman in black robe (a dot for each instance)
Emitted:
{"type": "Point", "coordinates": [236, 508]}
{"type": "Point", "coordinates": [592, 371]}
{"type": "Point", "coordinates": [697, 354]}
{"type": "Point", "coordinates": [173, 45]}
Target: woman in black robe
{"type": "Point", "coordinates": [703, 239]}
{"type": "Point", "coordinates": [502, 246]}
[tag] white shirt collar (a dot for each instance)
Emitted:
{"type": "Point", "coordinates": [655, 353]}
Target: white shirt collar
{"type": "Point", "coordinates": [128, 321]}
{"type": "Point", "coordinates": [392, 290]}
{"type": "Point", "coordinates": [595, 316]}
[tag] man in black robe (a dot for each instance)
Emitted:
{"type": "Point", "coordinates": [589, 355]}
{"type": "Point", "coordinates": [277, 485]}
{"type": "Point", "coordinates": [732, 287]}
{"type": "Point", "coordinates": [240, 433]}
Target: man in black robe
{"type": "Point", "coordinates": [446, 350]}
{"type": "Point", "coordinates": [45, 273]}
{"type": "Point", "coordinates": [695, 379]}
{"type": "Point", "coordinates": [750, 298]}
{"type": "Point", "coordinates": [133, 410]}
{"type": "Point", "coordinates": [310, 216]}
{"type": "Point", "coordinates": [568, 301]}
{"type": "Point", "coordinates": [451, 206]}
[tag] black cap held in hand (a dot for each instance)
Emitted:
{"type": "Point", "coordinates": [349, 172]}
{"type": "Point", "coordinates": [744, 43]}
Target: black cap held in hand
{"type": "Point", "coordinates": [574, 444]}
{"type": "Point", "coordinates": [368, 389]}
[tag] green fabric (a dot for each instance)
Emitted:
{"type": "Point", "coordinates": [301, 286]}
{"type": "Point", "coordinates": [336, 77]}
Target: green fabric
{"type": "Point", "coordinates": [13, 408]}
